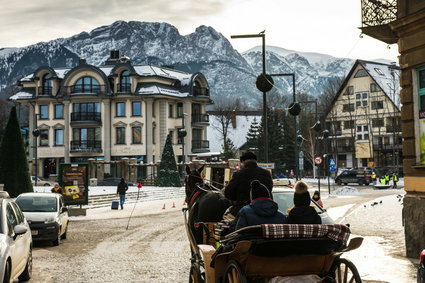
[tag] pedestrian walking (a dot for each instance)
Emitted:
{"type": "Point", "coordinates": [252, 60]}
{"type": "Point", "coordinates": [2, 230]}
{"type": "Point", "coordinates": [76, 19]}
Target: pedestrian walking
{"type": "Point", "coordinates": [57, 189]}
{"type": "Point", "coordinates": [395, 180]}
{"type": "Point", "coordinates": [291, 174]}
{"type": "Point", "coordinates": [121, 190]}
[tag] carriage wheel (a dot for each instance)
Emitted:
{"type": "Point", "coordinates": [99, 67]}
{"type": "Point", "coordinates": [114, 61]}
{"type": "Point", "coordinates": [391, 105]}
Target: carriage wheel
{"type": "Point", "coordinates": [234, 273]}
{"type": "Point", "coordinates": [344, 271]}
{"type": "Point", "coordinates": [195, 275]}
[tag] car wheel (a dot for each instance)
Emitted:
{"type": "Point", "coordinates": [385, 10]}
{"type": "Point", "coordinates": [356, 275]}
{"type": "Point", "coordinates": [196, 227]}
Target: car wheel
{"type": "Point", "coordinates": [63, 237]}
{"type": "Point", "coordinates": [6, 277]}
{"type": "Point", "coordinates": [26, 274]}
{"type": "Point", "coordinates": [57, 241]}
{"type": "Point", "coordinates": [345, 184]}
{"type": "Point", "coordinates": [46, 185]}
{"type": "Point", "coordinates": [361, 183]}
{"type": "Point", "coordinates": [339, 182]}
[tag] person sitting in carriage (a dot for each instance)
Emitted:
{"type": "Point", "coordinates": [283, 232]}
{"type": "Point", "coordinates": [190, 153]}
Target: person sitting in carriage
{"type": "Point", "coordinates": [261, 210]}
{"type": "Point", "coordinates": [303, 212]}
{"type": "Point", "coordinates": [238, 188]}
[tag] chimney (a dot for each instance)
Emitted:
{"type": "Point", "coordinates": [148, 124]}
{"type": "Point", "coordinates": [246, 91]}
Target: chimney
{"type": "Point", "coordinates": [115, 55]}
{"type": "Point", "coordinates": [233, 119]}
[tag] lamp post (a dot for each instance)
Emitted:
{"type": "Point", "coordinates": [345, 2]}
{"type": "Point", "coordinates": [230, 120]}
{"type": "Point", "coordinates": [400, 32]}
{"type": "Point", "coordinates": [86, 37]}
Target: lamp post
{"type": "Point", "coordinates": [35, 133]}
{"type": "Point", "coordinates": [182, 133]}
{"type": "Point", "coordinates": [325, 136]}
{"type": "Point", "coordinates": [264, 83]}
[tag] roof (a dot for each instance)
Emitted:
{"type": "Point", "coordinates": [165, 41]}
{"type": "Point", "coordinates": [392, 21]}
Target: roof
{"type": "Point", "coordinates": [23, 94]}
{"type": "Point", "coordinates": [386, 76]}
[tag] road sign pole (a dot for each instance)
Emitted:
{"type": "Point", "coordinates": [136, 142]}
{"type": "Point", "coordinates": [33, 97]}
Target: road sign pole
{"type": "Point", "coordinates": [318, 180]}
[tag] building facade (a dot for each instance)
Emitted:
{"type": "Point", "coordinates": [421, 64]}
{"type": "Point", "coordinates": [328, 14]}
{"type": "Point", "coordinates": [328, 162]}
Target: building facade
{"type": "Point", "coordinates": [115, 111]}
{"type": "Point", "coordinates": [403, 22]}
{"type": "Point", "coordinates": [364, 118]}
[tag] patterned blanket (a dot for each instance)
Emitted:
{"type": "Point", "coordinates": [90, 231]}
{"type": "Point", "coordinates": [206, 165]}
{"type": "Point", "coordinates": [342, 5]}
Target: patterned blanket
{"type": "Point", "coordinates": [336, 232]}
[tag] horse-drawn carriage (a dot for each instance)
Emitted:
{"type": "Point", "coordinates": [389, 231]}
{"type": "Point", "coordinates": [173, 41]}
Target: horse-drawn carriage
{"type": "Point", "coordinates": [263, 253]}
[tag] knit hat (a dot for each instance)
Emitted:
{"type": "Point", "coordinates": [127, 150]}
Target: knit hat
{"type": "Point", "coordinates": [301, 195]}
{"type": "Point", "coordinates": [248, 156]}
{"type": "Point", "coordinates": [259, 190]}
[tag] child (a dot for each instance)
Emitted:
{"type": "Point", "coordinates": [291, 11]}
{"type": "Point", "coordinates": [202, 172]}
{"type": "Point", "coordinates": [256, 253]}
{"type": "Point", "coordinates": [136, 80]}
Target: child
{"type": "Point", "coordinates": [303, 213]}
{"type": "Point", "coordinates": [316, 198]}
{"type": "Point", "coordinates": [261, 210]}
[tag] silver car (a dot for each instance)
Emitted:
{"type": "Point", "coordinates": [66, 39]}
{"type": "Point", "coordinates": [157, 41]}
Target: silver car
{"type": "Point", "coordinates": [15, 243]}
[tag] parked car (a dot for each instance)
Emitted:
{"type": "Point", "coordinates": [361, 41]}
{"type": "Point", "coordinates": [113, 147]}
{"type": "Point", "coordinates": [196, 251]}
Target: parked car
{"type": "Point", "coordinates": [285, 200]}
{"type": "Point", "coordinates": [15, 243]}
{"type": "Point", "coordinates": [358, 176]}
{"type": "Point", "coordinates": [46, 215]}
{"type": "Point", "coordinates": [41, 182]}
{"type": "Point", "coordinates": [421, 268]}
{"type": "Point", "coordinates": [281, 182]}
{"type": "Point", "coordinates": [112, 182]}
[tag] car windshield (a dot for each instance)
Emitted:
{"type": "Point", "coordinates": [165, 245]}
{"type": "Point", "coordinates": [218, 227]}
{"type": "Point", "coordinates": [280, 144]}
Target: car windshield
{"type": "Point", "coordinates": [285, 201]}
{"type": "Point", "coordinates": [37, 203]}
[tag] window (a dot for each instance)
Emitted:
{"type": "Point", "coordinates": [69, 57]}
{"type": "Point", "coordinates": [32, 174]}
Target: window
{"type": "Point", "coordinates": [361, 99]}
{"type": "Point", "coordinates": [136, 133]}
{"type": "Point", "coordinates": [360, 73]}
{"type": "Point", "coordinates": [86, 85]}
{"type": "Point", "coordinates": [379, 71]}
{"type": "Point", "coordinates": [170, 110]}
{"type": "Point", "coordinates": [153, 133]}
{"type": "Point", "coordinates": [44, 137]}
{"type": "Point", "coordinates": [349, 90]}
{"type": "Point", "coordinates": [374, 87]}
{"type": "Point", "coordinates": [349, 124]}
{"type": "Point", "coordinates": [86, 137]}
{"type": "Point", "coordinates": [11, 219]}
{"type": "Point", "coordinates": [87, 107]}
{"type": "Point", "coordinates": [58, 111]}
{"type": "Point", "coordinates": [136, 108]}
{"type": "Point", "coordinates": [59, 137]}
{"type": "Point", "coordinates": [46, 85]}
{"type": "Point", "coordinates": [125, 82]}
{"type": "Point", "coordinates": [120, 109]}
{"type": "Point", "coordinates": [171, 133]}
{"type": "Point", "coordinates": [421, 106]}
{"type": "Point", "coordinates": [179, 110]}
{"type": "Point", "coordinates": [377, 123]}
{"type": "Point", "coordinates": [19, 215]}
{"type": "Point", "coordinates": [120, 135]}
{"type": "Point", "coordinates": [377, 105]}
{"type": "Point", "coordinates": [44, 112]}
{"type": "Point", "coordinates": [363, 132]}
{"type": "Point", "coordinates": [348, 107]}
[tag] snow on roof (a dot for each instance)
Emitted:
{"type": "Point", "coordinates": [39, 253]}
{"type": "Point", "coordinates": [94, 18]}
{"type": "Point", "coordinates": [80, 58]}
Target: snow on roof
{"type": "Point", "coordinates": [155, 89]}
{"type": "Point", "coordinates": [21, 95]}
{"type": "Point", "coordinates": [236, 135]}
{"type": "Point", "coordinates": [146, 70]}
{"type": "Point", "coordinates": [61, 72]}
{"type": "Point", "coordinates": [387, 77]}
{"type": "Point", "coordinates": [106, 70]}
{"type": "Point", "coordinates": [27, 78]}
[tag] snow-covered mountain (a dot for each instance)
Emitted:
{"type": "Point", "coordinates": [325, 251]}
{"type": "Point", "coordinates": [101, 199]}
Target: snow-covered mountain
{"type": "Point", "coordinates": [229, 73]}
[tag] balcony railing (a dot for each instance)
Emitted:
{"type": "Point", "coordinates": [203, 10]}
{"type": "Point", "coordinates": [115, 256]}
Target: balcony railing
{"type": "Point", "coordinates": [124, 88]}
{"type": "Point", "coordinates": [86, 146]}
{"type": "Point", "coordinates": [77, 89]}
{"type": "Point", "coordinates": [376, 15]}
{"type": "Point", "coordinates": [200, 144]}
{"type": "Point", "coordinates": [45, 91]}
{"type": "Point", "coordinates": [85, 116]}
{"type": "Point", "coordinates": [387, 147]}
{"type": "Point", "coordinates": [200, 91]}
{"type": "Point", "coordinates": [393, 129]}
{"type": "Point", "coordinates": [200, 118]}
{"type": "Point", "coordinates": [345, 148]}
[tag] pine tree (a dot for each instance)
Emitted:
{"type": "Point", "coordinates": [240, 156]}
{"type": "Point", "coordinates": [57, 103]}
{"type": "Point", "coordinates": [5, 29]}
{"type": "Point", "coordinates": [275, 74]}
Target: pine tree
{"type": "Point", "coordinates": [252, 137]}
{"type": "Point", "coordinates": [168, 175]}
{"type": "Point", "coordinates": [229, 149]}
{"type": "Point", "coordinates": [14, 173]}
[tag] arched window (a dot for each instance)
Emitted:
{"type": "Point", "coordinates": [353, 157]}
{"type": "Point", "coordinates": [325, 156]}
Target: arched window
{"type": "Point", "coordinates": [46, 85]}
{"type": "Point", "coordinates": [86, 85]}
{"type": "Point", "coordinates": [125, 82]}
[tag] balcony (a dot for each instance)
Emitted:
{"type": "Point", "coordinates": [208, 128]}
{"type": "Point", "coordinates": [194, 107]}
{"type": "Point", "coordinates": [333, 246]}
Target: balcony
{"type": "Point", "coordinates": [393, 129]}
{"type": "Point", "coordinates": [124, 88]}
{"type": "Point", "coordinates": [376, 16]}
{"type": "Point", "coordinates": [86, 90]}
{"type": "Point", "coordinates": [345, 148]}
{"type": "Point", "coordinates": [200, 146]}
{"type": "Point", "coordinates": [387, 147]}
{"type": "Point", "coordinates": [86, 118]}
{"type": "Point", "coordinates": [200, 119]}
{"type": "Point", "coordinates": [201, 91]}
{"type": "Point", "coordinates": [45, 91]}
{"type": "Point", "coordinates": [86, 146]}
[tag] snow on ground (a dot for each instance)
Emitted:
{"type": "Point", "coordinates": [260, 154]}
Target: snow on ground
{"type": "Point", "coordinates": [104, 190]}
{"type": "Point", "coordinates": [346, 190]}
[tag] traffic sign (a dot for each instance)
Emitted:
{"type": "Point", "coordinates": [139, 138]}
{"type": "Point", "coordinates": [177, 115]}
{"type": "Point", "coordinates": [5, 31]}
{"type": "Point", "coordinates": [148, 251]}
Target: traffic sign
{"type": "Point", "coordinates": [318, 160]}
{"type": "Point", "coordinates": [332, 162]}
{"type": "Point", "coordinates": [332, 165]}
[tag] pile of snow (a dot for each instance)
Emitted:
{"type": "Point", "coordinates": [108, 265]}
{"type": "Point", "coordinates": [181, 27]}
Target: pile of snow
{"type": "Point", "coordinates": [346, 190]}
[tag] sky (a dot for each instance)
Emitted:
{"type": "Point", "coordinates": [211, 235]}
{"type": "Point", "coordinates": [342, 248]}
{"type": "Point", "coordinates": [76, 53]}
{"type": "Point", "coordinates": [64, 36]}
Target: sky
{"type": "Point", "coordinates": [327, 26]}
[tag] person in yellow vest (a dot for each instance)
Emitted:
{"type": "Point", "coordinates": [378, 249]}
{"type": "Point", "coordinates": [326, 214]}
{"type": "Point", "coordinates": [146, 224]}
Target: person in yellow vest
{"type": "Point", "coordinates": [382, 180]}
{"type": "Point", "coordinates": [387, 178]}
{"type": "Point", "coordinates": [373, 178]}
{"type": "Point", "coordinates": [57, 189]}
{"type": "Point", "coordinates": [395, 180]}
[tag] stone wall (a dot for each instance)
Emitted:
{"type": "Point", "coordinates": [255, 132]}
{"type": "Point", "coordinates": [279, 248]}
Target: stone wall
{"type": "Point", "coordinates": [414, 224]}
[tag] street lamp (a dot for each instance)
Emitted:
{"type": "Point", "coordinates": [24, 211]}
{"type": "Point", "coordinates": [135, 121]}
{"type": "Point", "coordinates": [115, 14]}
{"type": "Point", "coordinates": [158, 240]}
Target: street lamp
{"type": "Point", "coordinates": [264, 83]}
{"type": "Point", "coordinates": [182, 133]}
{"type": "Point", "coordinates": [35, 133]}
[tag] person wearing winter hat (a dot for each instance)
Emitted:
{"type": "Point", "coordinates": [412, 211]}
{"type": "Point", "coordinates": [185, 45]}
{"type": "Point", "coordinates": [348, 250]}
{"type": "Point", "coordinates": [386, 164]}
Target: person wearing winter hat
{"type": "Point", "coordinates": [261, 210]}
{"type": "Point", "coordinates": [303, 213]}
{"type": "Point", "coordinates": [316, 198]}
{"type": "Point", "coordinates": [238, 188]}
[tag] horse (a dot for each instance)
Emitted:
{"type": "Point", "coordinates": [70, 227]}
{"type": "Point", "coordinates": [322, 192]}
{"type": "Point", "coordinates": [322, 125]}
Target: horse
{"type": "Point", "coordinates": [205, 203]}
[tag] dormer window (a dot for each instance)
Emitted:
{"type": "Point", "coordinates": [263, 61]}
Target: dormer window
{"type": "Point", "coordinates": [86, 85]}
{"type": "Point", "coordinates": [46, 88]}
{"type": "Point", "coordinates": [125, 82]}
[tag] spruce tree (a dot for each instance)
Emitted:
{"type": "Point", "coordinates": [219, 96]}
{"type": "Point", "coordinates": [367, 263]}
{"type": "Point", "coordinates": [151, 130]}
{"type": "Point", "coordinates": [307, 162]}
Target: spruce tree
{"type": "Point", "coordinates": [168, 175]}
{"type": "Point", "coordinates": [14, 173]}
{"type": "Point", "coordinates": [252, 137]}
{"type": "Point", "coordinates": [229, 149]}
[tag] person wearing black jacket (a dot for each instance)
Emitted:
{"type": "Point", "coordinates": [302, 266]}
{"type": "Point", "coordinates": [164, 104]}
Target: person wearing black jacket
{"type": "Point", "coordinates": [303, 213]}
{"type": "Point", "coordinates": [238, 189]}
{"type": "Point", "coordinates": [121, 190]}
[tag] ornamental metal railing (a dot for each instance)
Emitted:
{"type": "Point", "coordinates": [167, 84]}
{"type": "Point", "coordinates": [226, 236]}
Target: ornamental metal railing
{"type": "Point", "coordinates": [378, 12]}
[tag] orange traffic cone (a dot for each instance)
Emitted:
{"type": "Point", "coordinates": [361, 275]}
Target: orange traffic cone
{"type": "Point", "coordinates": [174, 205]}
{"type": "Point", "coordinates": [163, 207]}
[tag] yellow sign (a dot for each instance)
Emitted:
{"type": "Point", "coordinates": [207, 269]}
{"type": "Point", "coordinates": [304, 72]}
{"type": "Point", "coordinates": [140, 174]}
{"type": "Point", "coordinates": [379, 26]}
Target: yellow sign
{"type": "Point", "coordinates": [371, 164]}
